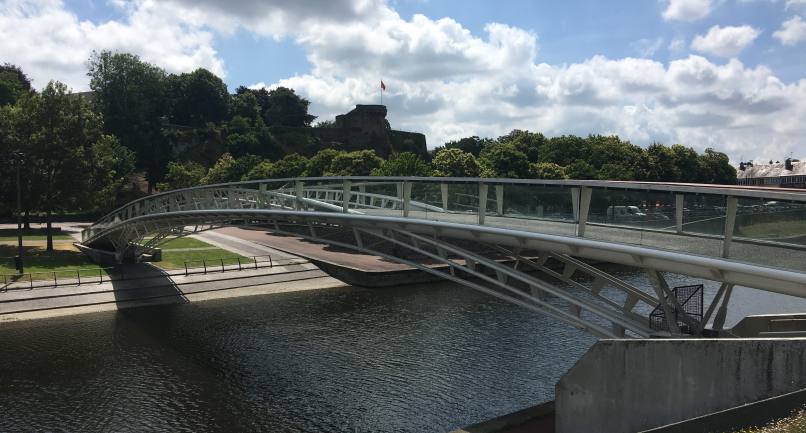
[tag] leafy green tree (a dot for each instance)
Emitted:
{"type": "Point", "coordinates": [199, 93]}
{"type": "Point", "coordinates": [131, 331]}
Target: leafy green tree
{"type": "Point", "coordinates": [509, 137]}
{"type": "Point", "coordinates": [358, 163]}
{"type": "Point", "coordinates": [245, 106]}
{"type": "Point", "coordinates": [455, 163]}
{"type": "Point", "coordinates": [289, 167]}
{"type": "Point", "coordinates": [197, 98]}
{"type": "Point", "coordinates": [21, 77]}
{"type": "Point", "coordinates": [240, 145]}
{"type": "Point", "coordinates": [286, 108]}
{"type": "Point", "coordinates": [130, 94]}
{"type": "Point", "coordinates": [611, 150]}
{"type": "Point", "coordinates": [403, 164]}
{"type": "Point", "coordinates": [473, 145]}
{"type": "Point", "coordinates": [71, 164]}
{"type": "Point", "coordinates": [614, 172]}
{"type": "Point", "coordinates": [580, 169]}
{"type": "Point", "coordinates": [242, 166]}
{"type": "Point", "coordinates": [261, 95]}
{"type": "Point", "coordinates": [219, 173]}
{"type": "Point", "coordinates": [327, 124]}
{"type": "Point", "coordinates": [715, 168]}
{"type": "Point", "coordinates": [320, 163]}
{"type": "Point", "coordinates": [565, 150]}
{"type": "Point", "coordinates": [504, 161]}
{"type": "Point", "coordinates": [687, 162]}
{"type": "Point", "coordinates": [547, 170]}
{"type": "Point", "coordinates": [529, 144]}
{"type": "Point", "coordinates": [662, 164]}
{"type": "Point", "coordinates": [182, 176]}
{"type": "Point", "coordinates": [10, 88]}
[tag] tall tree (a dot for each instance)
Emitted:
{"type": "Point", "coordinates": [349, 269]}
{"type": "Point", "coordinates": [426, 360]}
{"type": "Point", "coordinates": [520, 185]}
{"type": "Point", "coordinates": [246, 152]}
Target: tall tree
{"type": "Point", "coordinates": [197, 98]}
{"type": "Point", "coordinates": [26, 82]}
{"type": "Point", "coordinates": [472, 145]}
{"type": "Point", "coordinates": [72, 165]}
{"type": "Point", "coordinates": [10, 88]}
{"type": "Point", "coordinates": [455, 163]}
{"type": "Point", "coordinates": [715, 168]}
{"type": "Point", "coordinates": [403, 164]}
{"type": "Point", "coordinates": [504, 161]}
{"type": "Point", "coordinates": [286, 108]}
{"type": "Point", "coordinates": [130, 94]}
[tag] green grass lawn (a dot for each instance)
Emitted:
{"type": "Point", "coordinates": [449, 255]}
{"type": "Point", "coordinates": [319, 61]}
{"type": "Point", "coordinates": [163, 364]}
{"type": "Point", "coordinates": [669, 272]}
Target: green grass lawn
{"type": "Point", "coordinates": [775, 230]}
{"type": "Point", "coordinates": [184, 243]}
{"type": "Point", "coordinates": [176, 259]}
{"type": "Point", "coordinates": [65, 263]}
{"type": "Point", "coordinates": [38, 234]}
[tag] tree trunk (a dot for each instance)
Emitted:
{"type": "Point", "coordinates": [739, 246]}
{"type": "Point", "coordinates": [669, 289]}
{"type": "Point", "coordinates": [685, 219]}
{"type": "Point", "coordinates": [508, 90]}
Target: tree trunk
{"type": "Point", "coordinates": [50, 232]}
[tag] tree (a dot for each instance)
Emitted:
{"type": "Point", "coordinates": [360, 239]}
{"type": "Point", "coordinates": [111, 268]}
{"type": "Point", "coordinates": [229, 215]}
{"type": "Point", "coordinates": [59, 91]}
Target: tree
{"type": "Point", "coordinates": [580, 169]}
{"type": "Point", "coordinates": [72, 165]}
{"type": "Point", "coordinates": [320, 163]}
{"type": "Point", "coordinates": [614, 172]}
{"type": "Point", "coordinates": [245, 106]}
{"type": "Point", "coordinates": [286, 108]}
{"type": "Point", "coordinates": [358, 163]}
{"type": "Point", "coordinates": [715, 168]}
{"type": "Point", "coordinates": [687, 162]}
{"type": "Point", "coordinates": [227, 169]}
{"type": "Point", "coordinates": [289, 167]}
{"type": "Point", "coordinates": [455, 163]}
{"type": "Point", "coordinates": [472, 145]}
{"type": "Point", "coordinates": [21, 77]}
{"type": "Point", "coordinates": [547, 170]}
{"type": "Point", "coordinates": [197, 98]}
{"type": "Point", "coordinates": [130, 94]}
{"type": "Point", "coordinates": [218, 173]}
{"type": "Point", "coordinates": [327, 124]}
{"type": "Point", "coordinates": [528, 143]}
{"type": "Point", "coordinates": [403, 164]}
{"type": "Point", "coordinates": [261, 96]}
{"type": "Point", "coordinates": [10, 88]}
{"type": "Point", "coordinates": [182, 176]}
{"type": "Point", "coordinates": [565, 150]}
{"type": "Point", "coordinates": [662, 164]}
{"type": "Point", "coordinates": [504, 161]}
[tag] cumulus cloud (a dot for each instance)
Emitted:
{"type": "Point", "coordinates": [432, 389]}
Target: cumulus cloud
{"type": "Point", "coordinates": [688, 10]}
{"type": "Point", "coordinates": [50, 42]}
{"type": "Point", "coordinates": [793, 31]}
{"type": "Point", "coordinates": [441, 79]}
{"type": "Point", "coordinates": [725, 41]}
{"type": "Point", "coordinates": [646, 47]}
{"type": "Point", "coordinates": [677, 44]}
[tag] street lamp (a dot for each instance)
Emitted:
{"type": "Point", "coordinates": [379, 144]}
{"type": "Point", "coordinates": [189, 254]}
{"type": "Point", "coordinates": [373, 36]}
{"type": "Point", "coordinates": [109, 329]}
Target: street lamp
{"type": "Point", "coordinates": [17, 160]}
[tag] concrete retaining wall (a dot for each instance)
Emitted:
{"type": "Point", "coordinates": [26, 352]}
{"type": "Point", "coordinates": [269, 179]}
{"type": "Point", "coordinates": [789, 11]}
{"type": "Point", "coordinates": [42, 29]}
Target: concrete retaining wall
{"type": "Point", "coordinates": [636, 385]}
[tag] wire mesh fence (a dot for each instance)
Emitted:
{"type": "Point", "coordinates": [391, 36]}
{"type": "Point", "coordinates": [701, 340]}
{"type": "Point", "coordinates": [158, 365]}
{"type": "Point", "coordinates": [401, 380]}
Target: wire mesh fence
{"type": "Point", "coordinates": [690, 298]}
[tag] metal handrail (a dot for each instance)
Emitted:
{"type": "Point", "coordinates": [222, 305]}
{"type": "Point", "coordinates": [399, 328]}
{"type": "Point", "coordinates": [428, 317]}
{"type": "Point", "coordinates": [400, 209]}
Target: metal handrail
{"type": "Point", "coordinates": [55, 278]}
{"type": "Point", "coordinates": [223, 269]}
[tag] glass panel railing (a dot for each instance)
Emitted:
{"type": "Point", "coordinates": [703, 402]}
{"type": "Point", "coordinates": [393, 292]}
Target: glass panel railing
{"type": "Point", "coordinates": [770, 232]}
{"type": "Point", "coordinates": [538, 208]}
{"type": "Point", "coordinates": [617, 215]}
{"type": "Point", "coordinates": [378, 198]}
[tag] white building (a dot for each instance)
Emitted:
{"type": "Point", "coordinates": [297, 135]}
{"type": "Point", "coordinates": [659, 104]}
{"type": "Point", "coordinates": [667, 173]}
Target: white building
{"type": "Point", "coordinates": [787, 174]}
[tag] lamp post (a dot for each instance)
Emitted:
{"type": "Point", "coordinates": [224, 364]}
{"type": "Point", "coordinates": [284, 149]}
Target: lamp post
{"type": "Point", "coordinates": [18, 159]}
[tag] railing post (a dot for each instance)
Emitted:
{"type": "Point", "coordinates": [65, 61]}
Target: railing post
{"type": "Point", "coordinates": [499, 199]}
{"type": "Point", "coordinates": [222, 265]}
{"type": "Point", "coordinates": [678, 208]}
{"type": "Point", "coordinates": [406, 198]}
{"type": "Point", "coordinates": [482, 202]}
{"type": "Point", "coordinates": [444, 190]}
{"type": "Point", "coordinates": [730, 219]}
{"type": "Point", "coordinates": [584, 207]}
{"type": "Point", "coordinates": [345, 195]}
{"type": "Point", "coordinates": [263, 200]}
{"type": "Point", "coordinates": [78, 275]}
{"type": "Point", "coordinates": [231, 198]}
{"type": "Point", "coordinates": [271, 262]}
{"type": "Point", "coordinates": [186, 268]}
{"type": "Point", "coordinates": [55, 280]}
{"type": "Point", "coordinates": [255, 259]}
{"type": "Point", "coordinates": [204, 263]}
{"type": "Point", "coordinates": [362, 198]}
{"type": "Point", "coordinates": [298, 191]}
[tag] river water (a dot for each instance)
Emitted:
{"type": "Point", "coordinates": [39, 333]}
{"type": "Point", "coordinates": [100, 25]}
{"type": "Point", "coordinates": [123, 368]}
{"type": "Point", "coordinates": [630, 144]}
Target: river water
{"type": "Point", "coordinates": [426, 358]}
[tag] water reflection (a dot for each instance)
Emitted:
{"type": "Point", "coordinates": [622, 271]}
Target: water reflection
{"type": "Point", "coordinates": [426, 358]}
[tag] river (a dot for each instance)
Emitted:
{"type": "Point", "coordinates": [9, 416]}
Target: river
{"type": "Point", "coordinates": [426, 358]}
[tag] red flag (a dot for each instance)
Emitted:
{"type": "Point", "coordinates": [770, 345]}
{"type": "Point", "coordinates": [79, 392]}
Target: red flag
{"type": "Point", "coordinates": [383, 86]}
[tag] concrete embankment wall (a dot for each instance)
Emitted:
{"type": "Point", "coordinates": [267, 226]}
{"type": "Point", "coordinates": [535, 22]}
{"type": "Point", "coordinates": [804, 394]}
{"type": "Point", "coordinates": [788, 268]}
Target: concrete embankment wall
{"type": "Point", "coordinates": [635, 385]}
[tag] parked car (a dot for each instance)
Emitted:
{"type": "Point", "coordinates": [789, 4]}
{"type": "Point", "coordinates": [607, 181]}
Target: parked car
{"type": "Point", "coordinates": [625, 213]}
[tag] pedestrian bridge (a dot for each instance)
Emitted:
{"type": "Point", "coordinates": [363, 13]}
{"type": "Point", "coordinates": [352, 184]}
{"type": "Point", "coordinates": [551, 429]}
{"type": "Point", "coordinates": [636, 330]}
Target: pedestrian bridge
{"type": "Point", "coordinates": [500, 236]}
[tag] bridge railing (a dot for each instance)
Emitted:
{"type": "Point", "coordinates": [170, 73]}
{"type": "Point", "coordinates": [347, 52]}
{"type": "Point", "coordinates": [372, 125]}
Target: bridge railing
{"type": "Point", "coordinates": [757, 225]}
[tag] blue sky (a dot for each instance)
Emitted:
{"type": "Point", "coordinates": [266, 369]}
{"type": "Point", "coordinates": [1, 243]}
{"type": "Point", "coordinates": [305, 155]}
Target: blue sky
{"type": "Point", "coordinates": [727, 74]}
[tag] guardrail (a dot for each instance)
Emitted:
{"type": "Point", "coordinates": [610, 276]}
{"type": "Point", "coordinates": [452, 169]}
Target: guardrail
{"type": "Point", "coordinates": [7, 277]}
{"type": "Point", "coordinates": [221, 263]}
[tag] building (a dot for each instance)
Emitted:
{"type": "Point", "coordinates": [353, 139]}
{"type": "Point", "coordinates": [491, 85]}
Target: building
{"type": "Point", "coordinates": [788, 174]}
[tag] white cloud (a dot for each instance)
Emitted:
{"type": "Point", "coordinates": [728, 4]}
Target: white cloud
{"type": "Point", "coordinates": [688, 10]}
{"type": "Point", "coordinates": [49, 42]}
{"type": "Point", "coordinates": [794, 3]}
{"type": "Point", "coordinates": [725, 41]}
{"type": "Point", "coordinates": [646, 47]}
{"type": "Point", "coordinates": [677, 44]}
{"type": "Point", "coordinates": [792, 32]}
{"type": "Point", "coordinates": [441, 79]}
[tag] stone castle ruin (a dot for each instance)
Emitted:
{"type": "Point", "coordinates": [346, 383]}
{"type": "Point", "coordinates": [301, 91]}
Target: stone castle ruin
{"type": "Point", "coordinates": [365, 127]}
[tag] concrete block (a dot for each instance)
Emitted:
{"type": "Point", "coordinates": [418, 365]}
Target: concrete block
{"type": "Point", "coordinates": [635, 385]}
